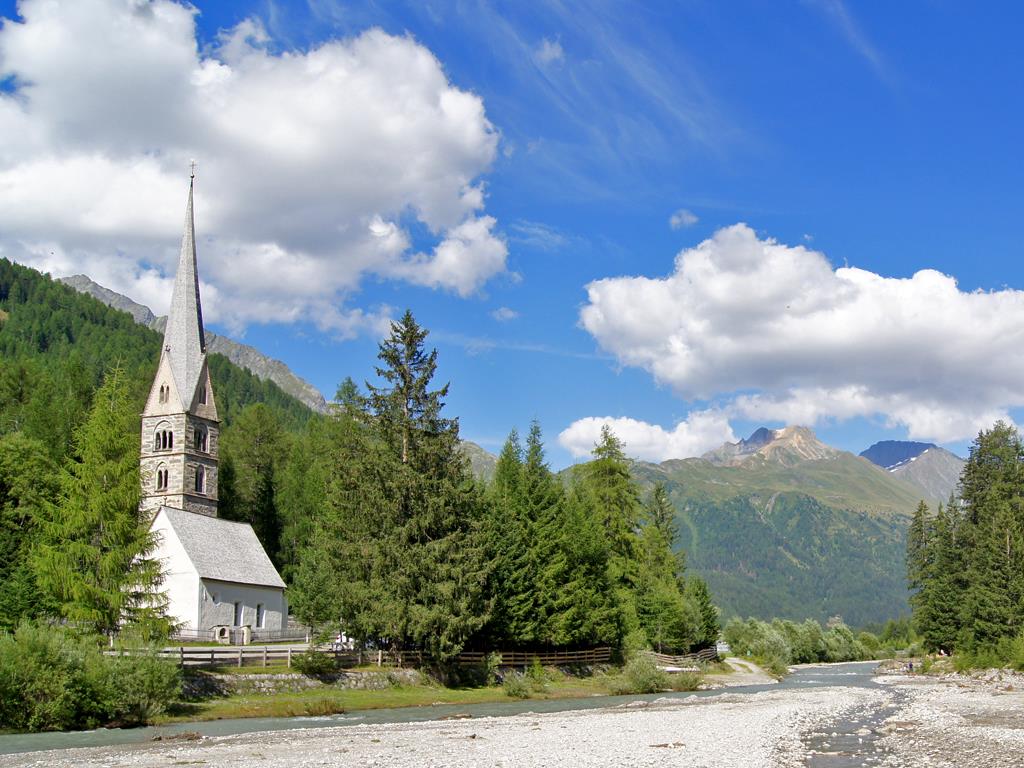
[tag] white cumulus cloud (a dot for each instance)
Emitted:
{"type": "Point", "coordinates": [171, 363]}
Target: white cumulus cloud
{"type": "Point", "coordinates": [682, 219]}
{"type": "Point", "coordinates": [698, 433]}
{"type": "Point", "coordinates": [549, 51]}
{"type": "Point", "coordinates": [774, 332]}
{"type": "Point", "coordinates": [311, 163]}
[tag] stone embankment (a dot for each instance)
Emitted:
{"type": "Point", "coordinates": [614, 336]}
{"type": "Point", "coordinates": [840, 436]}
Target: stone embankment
{"type": "Point", "coordinates": [201, 685]}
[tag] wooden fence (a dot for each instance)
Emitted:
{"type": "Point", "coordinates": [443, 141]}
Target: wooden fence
{"type": "Point", "coordinates": [687, 660]}
{"type": "Point", "coordinates": [270, 655]}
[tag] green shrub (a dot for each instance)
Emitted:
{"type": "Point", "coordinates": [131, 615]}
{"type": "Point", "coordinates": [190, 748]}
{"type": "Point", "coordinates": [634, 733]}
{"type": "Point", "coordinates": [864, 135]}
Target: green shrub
{"type": "Point", "coordinates": [516, 686]}
{"type": "Point", "coordinates": [640, 675]}
{"type": "Point", "coordinates": [537, 676]}
{"type": "Point", "coordinates": [1015, 655]}
{"type": "Point", "coordinates": [492, 663]}
{"type": "Point", "coordinates": [313, 663]}
{"type": "Point", "coordinates": [685, 681]}
{"type": "Point", "coordinates": [144, 684]}
{"type": "Point", "coordinates": [51, 679]}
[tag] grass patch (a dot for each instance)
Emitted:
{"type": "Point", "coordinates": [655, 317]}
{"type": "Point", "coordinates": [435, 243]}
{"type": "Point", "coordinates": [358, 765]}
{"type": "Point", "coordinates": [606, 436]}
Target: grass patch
{"type": "Point", "coordinates": [323, 701]}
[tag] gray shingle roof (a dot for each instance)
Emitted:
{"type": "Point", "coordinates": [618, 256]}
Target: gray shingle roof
{"type": "Point", "coordinates": [223, 549]}
{"type": "Point", "coordinates": [184, 339]}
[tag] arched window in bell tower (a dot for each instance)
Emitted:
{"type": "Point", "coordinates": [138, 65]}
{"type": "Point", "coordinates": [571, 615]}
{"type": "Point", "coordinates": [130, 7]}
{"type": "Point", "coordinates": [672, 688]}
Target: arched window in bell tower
{"type": "Point", "coordinates": [201, 439]}
{"type": "Point", "coordinates": [200, 479]}
{"type": "Point", "coordinates": [163, 437]}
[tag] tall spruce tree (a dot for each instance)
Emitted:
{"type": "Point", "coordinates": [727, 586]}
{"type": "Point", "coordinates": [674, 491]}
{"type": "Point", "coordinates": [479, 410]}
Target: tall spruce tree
{"type": "Point", "coordinates": [402, 524]}
{"type": "Point", "coordinates": [991, 491]}
{"type": "Point", "coordinates": [92, 556]}
{"type": "Point", "coordinates": [28, 481]}
{"type": "Point", "coordinates": [252, 452]}
{"type": "Point", "coordinates": [613, 496]}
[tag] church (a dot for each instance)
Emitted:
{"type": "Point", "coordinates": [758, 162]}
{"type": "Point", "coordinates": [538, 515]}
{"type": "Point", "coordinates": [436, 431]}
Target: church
{"type": "Point", "coordinates": [216, 574]}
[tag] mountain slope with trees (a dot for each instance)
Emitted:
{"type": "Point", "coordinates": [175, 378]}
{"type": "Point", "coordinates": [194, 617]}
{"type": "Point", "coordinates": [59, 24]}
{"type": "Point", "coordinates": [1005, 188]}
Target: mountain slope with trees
{"type": "Point", "coordinates": [781, 525]}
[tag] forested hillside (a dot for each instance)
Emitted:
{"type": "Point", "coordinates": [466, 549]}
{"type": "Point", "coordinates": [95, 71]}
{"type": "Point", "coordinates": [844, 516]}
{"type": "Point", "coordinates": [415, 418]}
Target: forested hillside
{"type": "Point", "coordinates": [56, 344]}
{"type": "Point", "coordinates": [56, 349]}
{"type": "Point", "coordinates": [793, 529]}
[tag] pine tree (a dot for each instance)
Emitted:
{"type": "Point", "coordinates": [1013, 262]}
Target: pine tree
{"type": "Point", "coordinates": [28, 481]}
{"type": "Point", "coordinates": [919, 549]}
{"type": "Point", "coordinates": [580, 604]}
{"type": "Point", "coordinates": [92, 558]}
{"type": "Point", "coordinates": [402, 523]}
{"type": "Point", "coordinates": [710, 628]}
{"type": "Point", "coordinates": [251, 455]}
{"type": "Point", "coordinates": [991, 490]}
{"type": "Point", "coordinates": [613, 496]}
{"type": "Point", "coordinates": [507, 545]}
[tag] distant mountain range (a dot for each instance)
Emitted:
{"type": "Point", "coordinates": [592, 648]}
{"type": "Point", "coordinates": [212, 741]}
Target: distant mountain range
{"type": "Point", "coordinates": [261, 366]}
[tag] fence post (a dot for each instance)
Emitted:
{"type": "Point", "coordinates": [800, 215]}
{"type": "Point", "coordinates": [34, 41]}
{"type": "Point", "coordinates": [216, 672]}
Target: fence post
{"type": "Point", "coordinates": [239, 657]}
{"type": "Point", "coordinates": [289, 657]}
{"type": "Point", "coordinates": [181, 652]}
{"type": "Point", "coordinates": [211, 658]}
{"type": "Point", "coordinates": [264, 655]}
{"type": "Point", "coordinates": [380, 657]}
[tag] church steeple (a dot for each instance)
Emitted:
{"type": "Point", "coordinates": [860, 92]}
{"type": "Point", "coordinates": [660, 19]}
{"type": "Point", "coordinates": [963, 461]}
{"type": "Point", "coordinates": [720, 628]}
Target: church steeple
{"type": "Point", "coordinates": [180, 429]}
{"type": "Point", "coordinates": [184, 339]}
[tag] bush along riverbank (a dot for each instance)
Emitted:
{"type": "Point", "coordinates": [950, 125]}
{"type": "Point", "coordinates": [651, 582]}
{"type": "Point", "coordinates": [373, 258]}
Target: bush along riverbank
{"type": "Point", "coordinates": [52, 679]}
{"type": "Point", "coordinates": [778, 644]}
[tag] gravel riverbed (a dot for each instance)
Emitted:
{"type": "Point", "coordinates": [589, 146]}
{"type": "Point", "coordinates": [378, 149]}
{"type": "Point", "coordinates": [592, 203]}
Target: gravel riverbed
{"type": "Point", "coordinates": [936, 722]}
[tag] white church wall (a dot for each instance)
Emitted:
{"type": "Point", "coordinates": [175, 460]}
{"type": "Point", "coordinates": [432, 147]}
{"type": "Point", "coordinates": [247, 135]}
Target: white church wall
{"type": "Point", "coordinates": [217, 605]}
{"type": "Point", "coordinates": [180, 579]}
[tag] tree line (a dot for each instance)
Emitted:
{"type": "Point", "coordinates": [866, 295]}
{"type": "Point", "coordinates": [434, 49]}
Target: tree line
{"type": "Point", "coordinates": [965, 561]}
{"type": "Point", "coordinates": [391, 539]}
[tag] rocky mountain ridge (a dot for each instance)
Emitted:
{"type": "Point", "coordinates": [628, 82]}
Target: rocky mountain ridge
{"type": "Point", "coordinates": [261, 366]}
{"type": "Point", "coordinates": [926, 466]}
{"type": "Point", "coordinates": [788, 446]}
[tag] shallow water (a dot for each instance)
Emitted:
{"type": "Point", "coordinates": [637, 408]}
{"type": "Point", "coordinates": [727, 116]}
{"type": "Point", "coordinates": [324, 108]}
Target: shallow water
{"type": "Point", "coordinates": [855, 674]}
{"type": "Point", "coordinates": [853, 740]}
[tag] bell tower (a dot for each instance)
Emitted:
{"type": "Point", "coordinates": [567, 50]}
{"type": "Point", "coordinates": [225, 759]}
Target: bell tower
{"type": "Point", "coordinates": [180, 428]}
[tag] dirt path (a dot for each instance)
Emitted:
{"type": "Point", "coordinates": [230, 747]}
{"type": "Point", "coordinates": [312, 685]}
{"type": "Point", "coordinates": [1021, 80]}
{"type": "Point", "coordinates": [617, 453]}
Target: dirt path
{"type": "Point", "coordinates": [744, 673]}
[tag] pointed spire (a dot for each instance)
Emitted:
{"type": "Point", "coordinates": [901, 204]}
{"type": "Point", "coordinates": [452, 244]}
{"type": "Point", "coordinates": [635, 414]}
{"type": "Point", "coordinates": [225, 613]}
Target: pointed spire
{"type": "Point", "coordinates": [184, 340]}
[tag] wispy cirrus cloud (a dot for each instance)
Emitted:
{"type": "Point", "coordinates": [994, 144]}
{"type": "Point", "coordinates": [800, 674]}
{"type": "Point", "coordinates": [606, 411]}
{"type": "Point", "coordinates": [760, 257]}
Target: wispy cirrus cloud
{"type": "Point", "coordinates": [836, 12]}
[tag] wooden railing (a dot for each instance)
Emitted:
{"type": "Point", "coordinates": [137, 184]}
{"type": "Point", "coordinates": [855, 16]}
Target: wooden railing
{"type": "Point", "coordinates": [686, 660]}
{"type": "Point", "coordinates": [270, 655]}
{"type": "Point", "coordinates": [546, 658]}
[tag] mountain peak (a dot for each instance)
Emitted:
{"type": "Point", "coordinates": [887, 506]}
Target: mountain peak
{"type": "Point", "coordinates": [788, 446]}
{"type": "Point", "coordinates": [889, 454]}
{"type": "Point", "coordinates": [760, 436]}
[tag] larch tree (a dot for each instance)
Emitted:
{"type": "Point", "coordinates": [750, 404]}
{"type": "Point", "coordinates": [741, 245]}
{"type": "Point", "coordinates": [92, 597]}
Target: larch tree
{"type": "Point", "coordinates": [253, 450]}
{"type": "Point", "coordinates": [92, 557]}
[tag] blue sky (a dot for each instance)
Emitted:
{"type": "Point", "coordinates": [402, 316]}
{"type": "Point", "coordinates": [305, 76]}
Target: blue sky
{"type": "Point", "coordinates": [884, 137]}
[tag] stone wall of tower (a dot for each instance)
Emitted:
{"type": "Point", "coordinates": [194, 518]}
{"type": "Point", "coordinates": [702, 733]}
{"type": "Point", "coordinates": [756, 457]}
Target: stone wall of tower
{"type": "Point", "coordinates": [180, 462]}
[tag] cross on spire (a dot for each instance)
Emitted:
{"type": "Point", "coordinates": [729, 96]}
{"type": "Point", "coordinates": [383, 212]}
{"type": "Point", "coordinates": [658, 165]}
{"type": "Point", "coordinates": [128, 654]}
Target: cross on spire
{"type": "Point", "coordinates": [192, 167]}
